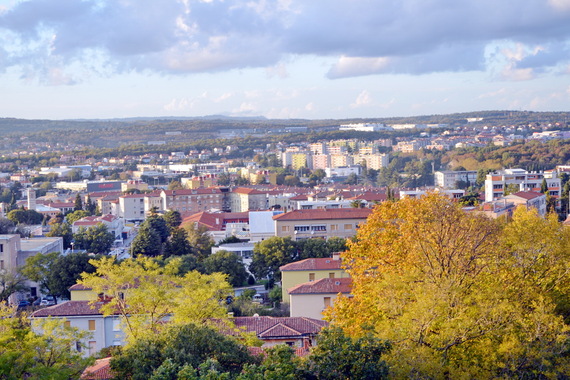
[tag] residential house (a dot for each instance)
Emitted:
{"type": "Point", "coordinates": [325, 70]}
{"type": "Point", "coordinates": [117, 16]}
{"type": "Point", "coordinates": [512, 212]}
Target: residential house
{"type": "Point", "coordinates": [308, 270]}
{"type": "Point", "coordinates": [320, 223]}
{"type": "Point", "coordinates": [243, 199]}
{"type": "Point", "coordinates": [529, 199]}
{"type": "Point", "coordinates": [114, 224]}
{"type": "Point", "coordinates": [497, 183]}
{"type": "Point", "coordinates": [310, 299]}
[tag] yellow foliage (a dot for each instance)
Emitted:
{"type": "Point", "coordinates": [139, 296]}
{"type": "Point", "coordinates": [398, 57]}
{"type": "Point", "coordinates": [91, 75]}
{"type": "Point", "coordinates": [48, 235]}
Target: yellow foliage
{"type": "Point", "coordinates": [444, 287]}
{"type": "Point", "coordinates": [146, 295]}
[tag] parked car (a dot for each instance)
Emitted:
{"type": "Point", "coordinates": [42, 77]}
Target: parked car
{"type": "Point", "coordinates": [23, 304]}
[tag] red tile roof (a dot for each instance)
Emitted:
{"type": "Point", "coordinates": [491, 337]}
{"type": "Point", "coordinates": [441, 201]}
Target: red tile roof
{"type": "Point", "coordinates": [101, 370]}
{"type": "Point", "coordinates": [209, 190]}
{"type": "Point", "coordinates": [283, 327]}
{"type": "Point", "coordinates": [312, 264]}
{"type": "Point", "coordinates": [216, 221]}
{"type": "Point", "coordinates": [323, 286]}
{"type": "Point", "coordinates": [245, 190]}
{"type": "Point", "coordinates": [325, 214]}
{"type": "Point", "coordinates": [527, 194]}
{"type": "Point", "coordinates": [69, 308]}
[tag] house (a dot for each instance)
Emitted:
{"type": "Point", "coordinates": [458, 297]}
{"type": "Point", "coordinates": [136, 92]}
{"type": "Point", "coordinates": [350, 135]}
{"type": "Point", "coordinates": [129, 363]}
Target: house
{"type": "Point", "coordinates": [105, 331]}
{"type": "Point", "coordinates": [496, 184]}
{"type": "Point", "coordinates": [243, 199]}
{"type": "Point", "coordinates": [310, 299]}
{"type": "Point", "coordinates": [307, 270]}
{"type": "Point", "coordinates": [297, 332]}
{"type": "Point", "coordinates": [221, 224]}
{"type": "Point", "coordinates": [101, 370]}
{"type": "Point", "coordinates": [113, 223]}
{"type": "Point", "coordinates": [320, 223]}
{"type": "Point", "coordinates": [529, 199]}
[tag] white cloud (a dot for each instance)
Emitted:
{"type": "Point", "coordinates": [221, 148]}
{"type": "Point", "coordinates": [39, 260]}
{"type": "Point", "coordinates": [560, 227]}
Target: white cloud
{"type": "Point", "coordinates": [363, 99]}
{"type": "Point", "coordinates": [357, 66]}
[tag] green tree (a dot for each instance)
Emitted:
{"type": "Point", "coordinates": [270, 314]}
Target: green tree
{"type": "Point", "coordinates": [200, 240]}
{"type": "Point", "coordinates": [338, 356]}
{"type": "Point", "coordinates": [143, 305]}
{"type": "Point", "coordinates": [352, 179]}
{"type": "Point", "coordinates": [76, 215]}
{"type": "Point", "coordinates": [96, 239]}
{"type": "Point", "coordinates": [90, 206]}
{"type": "Point", "coordinates": [177, 244]}
{"type": "Point", "coordinates": [158, 224]}
{"type": "Point", "coordinates": [21, 216]}
{"type": "Point", "coordinates": [270, 254]}
{"type": "Point", "coordinates": [146, 243]}
{"type": "Point", "coordinates": [78, 205]}
{"type": "Point", "coordinates": [227, 263]}
{"type": "Point", "coordinates": [66, 270]}
{"type": "Point", "coordinates": [543, 186]}
{"type": "Point", "coordinates": [312, 248]}
{"type": "Point", "coordinates": [336, 244]}
{"type": "Point", "coordinates": [11, 282]}
{"type": "Point", "coordinates": [62, 230]}
{"type": "Point", "coordinates": [41, 353]}
{"type": "Point", "coordinates": [39, 267]}
{"type": "Point", "coordinates": [280, 363]}
{"type": "Point", "coordinates": [173, 219]}
{"type": "Point", "coordinates": [182, 347]}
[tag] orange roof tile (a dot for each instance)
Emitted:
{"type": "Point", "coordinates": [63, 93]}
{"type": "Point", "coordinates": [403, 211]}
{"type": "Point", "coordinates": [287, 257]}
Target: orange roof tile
{"type": "Point", "coordinates": [325, 214]}
{"type": "Point", "coordinates": [312, 264]}
{"type": "Point", "coordinates": [323, 286]}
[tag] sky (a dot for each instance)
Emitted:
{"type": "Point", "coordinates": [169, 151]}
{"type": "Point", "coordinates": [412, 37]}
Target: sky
{"type": "Point", "coordinates": [282, 59]}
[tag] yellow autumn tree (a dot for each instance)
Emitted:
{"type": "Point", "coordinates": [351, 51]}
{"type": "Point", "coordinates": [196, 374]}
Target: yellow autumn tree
{"type": "Point", "coordinates": [146, 295]}
{"type": "Point", "coordinates": [437, 283]}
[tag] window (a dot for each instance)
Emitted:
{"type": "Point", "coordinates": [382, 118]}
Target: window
{"type": "Point", "coordinates": [1, 264]}
{"type": "Point", "coordinates": [302, 228]}
{"type": "Point", "coordinates": [311, 277]}
{"type": "Point", "coordinates": [116, 325]}
{"type": "Point", "coordinates": [92, 347]}
{"type": "Point", "coordinates": [348, 227]}
{"type": "Point", "coordinates": [334, 227]}
{"type": "Point", "coordinates": [1, 247]}
{"type": "Point", "coordinates": [319, 228]}
{"type": "Point", "coordinates": [331, 275]}
{"type": "Point", "coordinates": [327, 301]}
{"type": "Point", "coordinates": [284, 228]}
{"type": "Point", "coordinates": [92, 325]}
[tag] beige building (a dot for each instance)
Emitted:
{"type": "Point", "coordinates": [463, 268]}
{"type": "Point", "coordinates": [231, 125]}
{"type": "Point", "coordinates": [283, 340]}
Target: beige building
{"type": "Point", "coordinates": [320, 223]}
{"type": "Point", "coordinates": [191, 201]}
{"type": "Point", "coordinates": [311, 299]}
{"type": "Point", "coordinates": [244, 199]}
{"type": "Point", "coordinates": [309, 270]}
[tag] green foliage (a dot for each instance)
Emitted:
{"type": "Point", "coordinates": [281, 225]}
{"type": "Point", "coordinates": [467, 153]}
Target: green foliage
{"type": "Point", "coordinates": [96, 239]}
{"type": "Point", "coordinates": [200, 240]}
{"type": "Point", "coordinates": [338, 356]}
{"type": "Point", "coordinates": [188, 350]}
{"type": "Point", "coordinates": [270, 254]}
{"type": "Point", "coordinates": [10, 283]}
{"type": "Point", "coordinates": [173, 219]}
{"type": "Point", "coordinates": [177, 244]}
{"type": "Point", "coordinates": [227, 263]}
{"type": "Point", "coordinates": [78, 205]}
{"type": "Point", "coordinates": [146, 243]}
{"type": "Point", "coordinates": [280, 363]}
{"type": "Point", "coordinates": [25, 354]}
{"type": "Point", "coordinates": [66, 270]}
{"type": "Point", "coordinates": [62, 230]}
{"type": "Point", "coordinates": [21, 216]}
{"type": "Point", "coordinates": [76, 215]}
{"type": "Point", "coordinates": [39, 267]}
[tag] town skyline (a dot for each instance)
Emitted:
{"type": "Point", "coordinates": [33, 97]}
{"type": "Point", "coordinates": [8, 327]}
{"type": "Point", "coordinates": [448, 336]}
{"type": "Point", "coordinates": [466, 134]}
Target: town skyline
{"type": "Point", "coordinates": [281, 59]}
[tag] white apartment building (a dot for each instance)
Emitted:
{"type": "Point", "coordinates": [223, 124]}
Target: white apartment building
{"type": "Point", "coordinates": [448, 179]}
{"type": "Point", "coordinates": [495, 183]}
{"type": "Point", "coordinates": [374, 161]}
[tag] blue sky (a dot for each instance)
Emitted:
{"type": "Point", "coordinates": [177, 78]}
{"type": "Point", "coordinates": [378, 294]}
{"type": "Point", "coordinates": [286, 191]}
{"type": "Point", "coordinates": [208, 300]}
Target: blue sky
{"type": "Point", "coordinates": [309, 59]}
